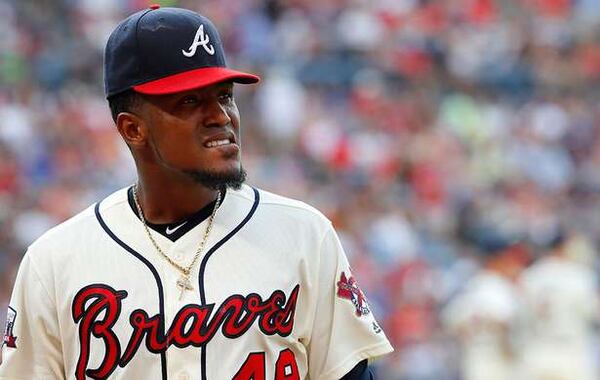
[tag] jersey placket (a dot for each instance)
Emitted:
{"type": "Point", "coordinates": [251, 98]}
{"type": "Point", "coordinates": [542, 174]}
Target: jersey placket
{"type": "Point", "coordinates": [182, 363]}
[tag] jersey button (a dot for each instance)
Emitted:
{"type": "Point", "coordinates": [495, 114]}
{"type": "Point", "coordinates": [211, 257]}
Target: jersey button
{"type": "Point", "coordinates": [184, 376]}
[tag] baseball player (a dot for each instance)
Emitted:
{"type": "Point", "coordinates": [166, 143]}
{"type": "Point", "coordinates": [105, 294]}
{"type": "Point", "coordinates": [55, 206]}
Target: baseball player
{"type": "Point", "coordinates": [189, 273]}
{"type": "Point", "coordinates": [561, 300]}
{"type": "Point", "coordinates": [484, 315]}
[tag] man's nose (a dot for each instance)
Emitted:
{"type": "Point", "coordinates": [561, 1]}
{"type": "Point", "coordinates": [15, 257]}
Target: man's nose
{"type": "Point", "coordinates": [216, 115]}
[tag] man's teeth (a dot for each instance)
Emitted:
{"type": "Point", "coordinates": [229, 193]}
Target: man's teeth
{"type": "Point", "coordinates": [212, 144]}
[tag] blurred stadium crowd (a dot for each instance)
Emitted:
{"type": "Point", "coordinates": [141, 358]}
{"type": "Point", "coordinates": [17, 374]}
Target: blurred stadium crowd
{"type": "Point", "coordinates": [435, 134]}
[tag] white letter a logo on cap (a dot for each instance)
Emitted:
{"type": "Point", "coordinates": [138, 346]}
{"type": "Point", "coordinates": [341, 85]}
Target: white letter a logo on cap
{"type": "Point", "coordinates": [200, 39]}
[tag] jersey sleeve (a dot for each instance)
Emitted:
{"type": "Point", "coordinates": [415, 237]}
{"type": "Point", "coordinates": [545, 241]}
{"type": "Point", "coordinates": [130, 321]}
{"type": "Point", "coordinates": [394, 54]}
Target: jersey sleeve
{"type": "Point", "coordinates": [31, 347]}
{"type": "Point", "coordinates": [344, 330]}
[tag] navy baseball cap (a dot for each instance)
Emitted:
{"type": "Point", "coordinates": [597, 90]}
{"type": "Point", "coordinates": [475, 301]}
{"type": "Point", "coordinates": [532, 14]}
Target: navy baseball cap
{"type": "Point", "coordinates": [164, 51]}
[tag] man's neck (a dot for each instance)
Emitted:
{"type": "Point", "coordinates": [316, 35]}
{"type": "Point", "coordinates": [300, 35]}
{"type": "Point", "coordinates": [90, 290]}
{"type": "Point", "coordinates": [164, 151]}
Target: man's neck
{"type": "Point", "coordinates": [168, 202]}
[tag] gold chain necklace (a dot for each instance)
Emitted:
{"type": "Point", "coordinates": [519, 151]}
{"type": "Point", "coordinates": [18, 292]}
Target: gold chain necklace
{"type": "Point", "coordinates": [183, 282]}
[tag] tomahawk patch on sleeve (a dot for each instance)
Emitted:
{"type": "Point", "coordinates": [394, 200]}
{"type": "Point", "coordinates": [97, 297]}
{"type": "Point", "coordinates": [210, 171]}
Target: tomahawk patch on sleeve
{"type": "Point", "coordinates": [348, 288]}
{"type": "Point", "coordinates": [9, 339]}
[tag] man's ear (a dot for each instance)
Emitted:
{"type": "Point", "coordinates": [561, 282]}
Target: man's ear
{"type": "Point", "coordinates": [133, 129]}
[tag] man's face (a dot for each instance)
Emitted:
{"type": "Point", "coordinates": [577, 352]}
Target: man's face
{"type": "Point", "coordinates": [196, 133]}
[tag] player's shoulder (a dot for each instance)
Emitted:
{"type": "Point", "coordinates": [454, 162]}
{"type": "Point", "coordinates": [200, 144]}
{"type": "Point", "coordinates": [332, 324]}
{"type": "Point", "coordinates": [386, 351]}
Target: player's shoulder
{"type": "Point", "coordinates": [281, 204]}
{"type": "Point", "coordinates": [487, 285]}
{"type": "Point", "coordinates": [74, 230]}
{"type": "Point", "coordinates": [548, 269]}
{"type": "Point", "coordinates": [279, 212]}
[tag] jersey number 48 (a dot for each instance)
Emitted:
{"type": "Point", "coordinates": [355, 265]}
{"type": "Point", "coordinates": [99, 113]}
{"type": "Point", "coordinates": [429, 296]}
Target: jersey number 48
{"type": "Point", "coordinates": [255, 364]}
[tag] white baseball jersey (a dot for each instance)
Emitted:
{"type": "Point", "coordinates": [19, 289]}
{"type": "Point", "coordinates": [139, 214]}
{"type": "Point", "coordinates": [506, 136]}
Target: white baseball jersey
{"type": "Point", "coordinates": [561, 308]}
{"type": "Point", "coordinates": [273, 298]}
{"type": "Point", "coordinates": [484, 315]}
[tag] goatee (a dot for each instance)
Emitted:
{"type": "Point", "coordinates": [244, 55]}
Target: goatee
{"type": "Point", "coordinates": [218, 180]}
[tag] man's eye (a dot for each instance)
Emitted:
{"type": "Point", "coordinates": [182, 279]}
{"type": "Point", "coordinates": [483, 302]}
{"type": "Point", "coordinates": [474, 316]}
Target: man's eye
{"type": "Point", "coordinates": [189, 100]}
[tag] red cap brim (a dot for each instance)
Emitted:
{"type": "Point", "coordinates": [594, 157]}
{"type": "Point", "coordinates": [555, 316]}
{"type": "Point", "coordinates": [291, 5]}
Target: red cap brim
{"type": "Point", "coordinates": [192, 79]}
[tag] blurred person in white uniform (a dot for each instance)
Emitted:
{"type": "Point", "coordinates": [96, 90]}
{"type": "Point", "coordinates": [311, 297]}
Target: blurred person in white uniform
{"type": "Point", "coordinates": [484, 315]}
{"type": "Point", "coordinates": [561, 312]}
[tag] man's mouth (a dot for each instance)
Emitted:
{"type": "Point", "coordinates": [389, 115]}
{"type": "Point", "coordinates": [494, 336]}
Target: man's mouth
{"type": "Point", "coordinates": [225, 139]}
{"type": "Point", "coordinates": [216, 143]}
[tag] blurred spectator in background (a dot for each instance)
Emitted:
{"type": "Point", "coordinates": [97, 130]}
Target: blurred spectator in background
{"type": "Point", "coordinates": [561, 311]}
{"type": "Point", "coordinates": [485, 314]}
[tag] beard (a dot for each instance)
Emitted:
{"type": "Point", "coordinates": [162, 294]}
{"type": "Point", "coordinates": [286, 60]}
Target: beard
{"type": "Point", "coordinates": [216, 180]}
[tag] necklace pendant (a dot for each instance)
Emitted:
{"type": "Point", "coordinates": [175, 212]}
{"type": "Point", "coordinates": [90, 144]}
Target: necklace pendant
{"type": "Point", "coordinates": [183, 283]}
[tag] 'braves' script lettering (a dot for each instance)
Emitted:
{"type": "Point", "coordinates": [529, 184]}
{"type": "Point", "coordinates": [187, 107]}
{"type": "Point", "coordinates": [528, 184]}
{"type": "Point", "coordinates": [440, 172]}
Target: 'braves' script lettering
{"type": "Point", "coordinates": [194, 325]}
